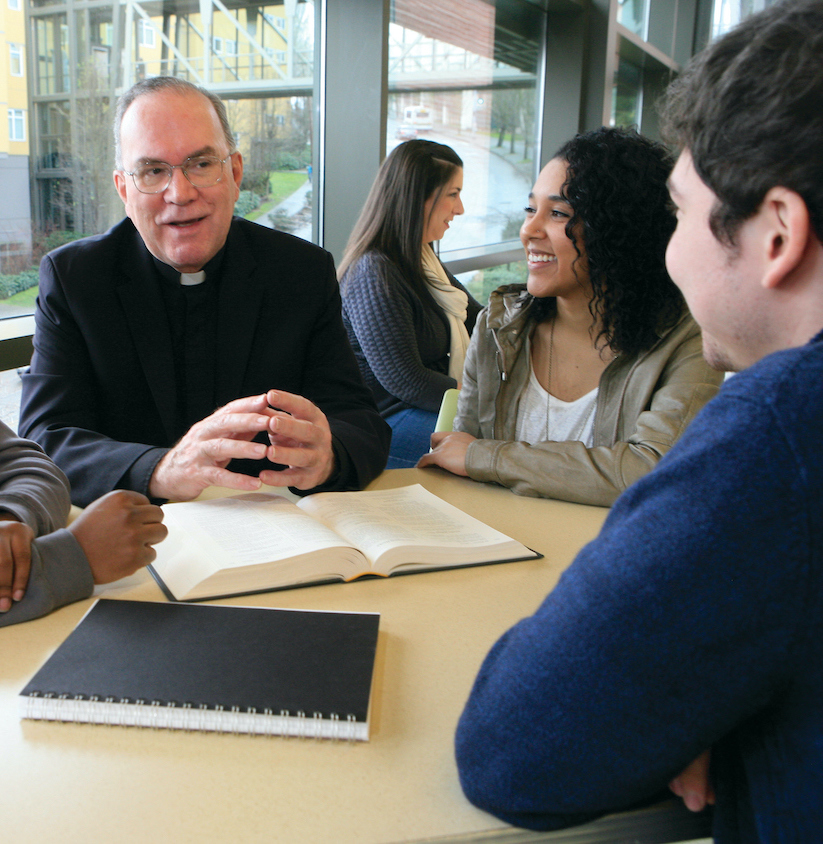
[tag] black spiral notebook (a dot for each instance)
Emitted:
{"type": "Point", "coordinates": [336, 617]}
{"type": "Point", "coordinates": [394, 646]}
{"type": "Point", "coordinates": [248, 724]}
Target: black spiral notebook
{"type": "Point", "coordinates": [218, 668]}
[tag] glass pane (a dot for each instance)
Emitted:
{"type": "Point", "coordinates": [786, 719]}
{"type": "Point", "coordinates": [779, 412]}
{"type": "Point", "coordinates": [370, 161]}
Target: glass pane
{"type": "Point", "coordinates": [480, 283]}
{"type": "Point", "coordinates": [258, 57]}
{"type": "Point", "coordinates": [633, 14]}
{"type": "Point", "coordinates": [51, 46]}
{"type": "Point", "coordinates": [10, 398]}
{"type": "Point", "coordinates": [627, 95]}
{"type": "Point", "coordinates": [275, 136]}
{"type": "Point", "coordinates": [467, 77]}
{"type": "Point", "coordinates": [728, 13]}
{"type": "Point", "coordinates": [249, 43]}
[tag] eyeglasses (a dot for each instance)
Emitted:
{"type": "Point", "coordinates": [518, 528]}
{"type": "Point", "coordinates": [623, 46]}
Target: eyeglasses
{"type": "Point", "coordinates": [202, 171]}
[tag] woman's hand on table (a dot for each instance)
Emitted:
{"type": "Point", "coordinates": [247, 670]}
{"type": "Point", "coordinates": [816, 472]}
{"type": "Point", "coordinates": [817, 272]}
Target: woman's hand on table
{"type": "Point", "coordinates": [448, 451]}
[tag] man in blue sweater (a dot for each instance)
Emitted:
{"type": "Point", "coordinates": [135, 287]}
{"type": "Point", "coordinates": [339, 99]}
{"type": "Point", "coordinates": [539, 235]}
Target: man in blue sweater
{"type": "Point", "coordinates": [689, 634]}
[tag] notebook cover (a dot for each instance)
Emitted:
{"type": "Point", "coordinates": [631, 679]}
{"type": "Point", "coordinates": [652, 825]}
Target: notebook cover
{"type": "Point", "coordinates": [243, 658]}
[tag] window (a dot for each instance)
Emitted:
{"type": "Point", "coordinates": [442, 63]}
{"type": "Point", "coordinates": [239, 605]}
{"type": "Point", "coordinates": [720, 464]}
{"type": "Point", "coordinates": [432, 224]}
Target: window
{"type": "Point", "coordinates": [475, 89]}
{"type": "Point", "coordinates": [16, 59]}
{"type": "Point", "coordinates": [470, 73]}
{"type": "Point", "coordinates": [145, 33]}
{"type": "Point", "coordinates": [277, 56]}
{"type": "Point", "coordinates": [278, 23]}
{"type": "Point", "coordinates": [17, 124]}
{"type": "Point", "coordinates": [480, 283]}
{"type": "Point", "coordinates": [225, 46]}
{"type": "Point", "coordinates": [627, 95]}
{"type": "Point", "coordinates": [634, 15]}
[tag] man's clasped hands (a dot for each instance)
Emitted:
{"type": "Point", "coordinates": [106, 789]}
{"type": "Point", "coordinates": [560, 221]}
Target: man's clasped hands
{"type": "Point", "coordinates": [299, 440]}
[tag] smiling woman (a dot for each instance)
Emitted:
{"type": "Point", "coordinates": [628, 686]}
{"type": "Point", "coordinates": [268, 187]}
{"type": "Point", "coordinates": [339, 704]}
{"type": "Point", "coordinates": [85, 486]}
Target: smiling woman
{"type": "Point", "coordinates": [577, 382]}
{"type": "Point", "coordinates": [408, 319]}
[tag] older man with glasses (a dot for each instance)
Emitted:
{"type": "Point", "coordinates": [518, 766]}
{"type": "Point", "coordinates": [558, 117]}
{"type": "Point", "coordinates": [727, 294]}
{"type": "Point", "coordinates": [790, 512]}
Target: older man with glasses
{"type": "Point", "coordinates": [184, 347]}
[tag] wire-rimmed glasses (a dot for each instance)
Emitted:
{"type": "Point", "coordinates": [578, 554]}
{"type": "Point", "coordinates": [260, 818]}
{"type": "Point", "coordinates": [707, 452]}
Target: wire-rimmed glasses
{"type": "Point", "coordinates": [202, 171]}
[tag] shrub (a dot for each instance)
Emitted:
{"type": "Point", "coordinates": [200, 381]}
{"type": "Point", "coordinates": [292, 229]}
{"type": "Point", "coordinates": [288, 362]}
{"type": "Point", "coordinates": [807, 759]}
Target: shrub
{"type": "Point", "coordinates": [285, 160]}
{"type": "Point", "coordinates": [11, 284]}
{"type": "Point", "coordinates": [256, 181]}
{"type": "Point", "coordinates": [281, 220]}
{"type": "Point", "coordinates": [59, 238]}
{"type": "Point", "coordinates": [246, 202]}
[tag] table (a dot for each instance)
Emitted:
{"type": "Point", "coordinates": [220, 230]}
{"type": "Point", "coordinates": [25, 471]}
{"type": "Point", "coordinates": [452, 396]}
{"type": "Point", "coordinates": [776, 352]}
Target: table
{"type": "Point", "coordinates": [79, 782]}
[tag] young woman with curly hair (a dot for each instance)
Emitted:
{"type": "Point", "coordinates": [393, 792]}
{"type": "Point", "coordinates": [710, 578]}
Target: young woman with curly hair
{"type": "Point", "coordinates": [579, 381]}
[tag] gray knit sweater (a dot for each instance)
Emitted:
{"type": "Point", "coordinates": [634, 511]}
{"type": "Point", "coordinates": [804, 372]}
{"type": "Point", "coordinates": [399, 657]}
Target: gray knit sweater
{"type": "Point", "coordinates": [401, 345]}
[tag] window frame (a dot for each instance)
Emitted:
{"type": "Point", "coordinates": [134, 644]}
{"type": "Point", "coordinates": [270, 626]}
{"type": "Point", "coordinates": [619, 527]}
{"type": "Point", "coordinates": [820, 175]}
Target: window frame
{"type": "Point", "coordinates": [17, 119]}
{"type": "Point", "coordinates": [18, 51]}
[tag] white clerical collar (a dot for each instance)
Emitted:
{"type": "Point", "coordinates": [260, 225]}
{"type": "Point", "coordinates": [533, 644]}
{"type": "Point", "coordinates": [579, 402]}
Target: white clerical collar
{"type": "Point", "coordinates": [191, 279]}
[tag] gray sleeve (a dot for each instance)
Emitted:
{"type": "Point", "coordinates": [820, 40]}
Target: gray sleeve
{"type": "Point", "coordinates": [32, 488]}
{"type": "Point", "coordinates": [60, 574]}
{"type": "Point", "coordinates": [36, 492]}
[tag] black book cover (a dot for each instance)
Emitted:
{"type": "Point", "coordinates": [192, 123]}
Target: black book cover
{"type": "Point", "coordinates": [251, 660]}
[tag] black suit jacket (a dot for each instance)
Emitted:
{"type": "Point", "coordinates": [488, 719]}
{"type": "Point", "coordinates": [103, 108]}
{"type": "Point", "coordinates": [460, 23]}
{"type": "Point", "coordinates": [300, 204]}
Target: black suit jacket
{"type": "Point", "coordinates": [101, 392]}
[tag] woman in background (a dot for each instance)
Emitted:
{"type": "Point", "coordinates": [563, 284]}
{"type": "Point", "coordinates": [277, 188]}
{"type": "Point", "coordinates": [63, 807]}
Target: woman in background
{"type": "Point", "coordinates": [408, 319]}
{"type": "Point", "coordinates": [578, 382]}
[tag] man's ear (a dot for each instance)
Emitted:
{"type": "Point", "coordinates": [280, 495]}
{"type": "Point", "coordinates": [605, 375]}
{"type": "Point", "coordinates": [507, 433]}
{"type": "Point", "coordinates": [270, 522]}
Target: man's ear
{"type": "Point", "coordinates": [787, 228]}
{"type": "Point", "coordinates": [237, 172]}
{"type": "Point", "coordinates": [120, 184]}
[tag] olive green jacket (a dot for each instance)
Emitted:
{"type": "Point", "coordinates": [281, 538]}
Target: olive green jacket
{"type": "Point", "coordinates": [644, 404]}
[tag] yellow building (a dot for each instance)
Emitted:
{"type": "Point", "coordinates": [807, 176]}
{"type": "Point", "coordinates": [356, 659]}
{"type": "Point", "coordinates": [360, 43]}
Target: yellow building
{"type": "Point", "coordinates": [15, 210]}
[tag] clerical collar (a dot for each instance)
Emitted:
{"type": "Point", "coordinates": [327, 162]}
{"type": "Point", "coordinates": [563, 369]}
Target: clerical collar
{"type": "Point", "coordinates": [192, 279]}
{"type": "Point", "coordinates": [210, 271]}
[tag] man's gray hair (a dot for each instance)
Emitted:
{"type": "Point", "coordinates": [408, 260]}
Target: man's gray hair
{"type": "Point", "coordinates": [167, 83]}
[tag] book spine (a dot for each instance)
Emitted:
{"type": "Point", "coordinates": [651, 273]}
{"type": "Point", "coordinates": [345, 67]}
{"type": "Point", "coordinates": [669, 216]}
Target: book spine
{"type": "Point", "coordinates": [139, 713]}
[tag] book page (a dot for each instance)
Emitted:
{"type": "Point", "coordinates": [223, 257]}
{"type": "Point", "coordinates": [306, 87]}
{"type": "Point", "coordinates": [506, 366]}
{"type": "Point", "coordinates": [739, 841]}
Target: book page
{"type": "Point", "coordinates": [254, 528]}
{"type": "Point", "coordinates": [209, 541]}
{"type": "Point", "coordinates": [381, 520]}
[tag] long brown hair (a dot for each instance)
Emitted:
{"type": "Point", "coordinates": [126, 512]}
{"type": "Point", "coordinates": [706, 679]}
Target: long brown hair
{"type": "Point", "coordinates": [391, 221]}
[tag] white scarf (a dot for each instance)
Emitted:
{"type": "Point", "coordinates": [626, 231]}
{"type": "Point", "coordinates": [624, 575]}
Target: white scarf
{"type": "Point", "coordinates": [454, 303]}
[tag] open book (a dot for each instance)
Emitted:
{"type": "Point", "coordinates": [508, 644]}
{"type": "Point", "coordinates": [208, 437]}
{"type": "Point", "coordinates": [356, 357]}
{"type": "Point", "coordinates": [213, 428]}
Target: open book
{"type": "Point", "coordinates": [261, 542]}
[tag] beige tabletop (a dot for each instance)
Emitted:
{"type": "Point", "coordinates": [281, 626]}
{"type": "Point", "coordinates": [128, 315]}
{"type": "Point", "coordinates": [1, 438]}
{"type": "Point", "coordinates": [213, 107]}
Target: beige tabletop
{"type": "Point", "coordinates": [73, 782]}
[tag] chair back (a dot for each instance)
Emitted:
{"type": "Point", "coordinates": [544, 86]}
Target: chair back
{"type": "Point", "coordinates": [448, 410]}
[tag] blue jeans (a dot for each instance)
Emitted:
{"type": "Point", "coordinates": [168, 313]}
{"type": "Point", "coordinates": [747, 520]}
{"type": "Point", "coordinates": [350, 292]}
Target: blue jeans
{"type": "Point", "coordinates": [411, 436]}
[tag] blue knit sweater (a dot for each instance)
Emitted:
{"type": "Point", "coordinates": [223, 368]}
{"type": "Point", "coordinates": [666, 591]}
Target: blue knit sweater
{"type": "Point", "coordinates": [694, 620]}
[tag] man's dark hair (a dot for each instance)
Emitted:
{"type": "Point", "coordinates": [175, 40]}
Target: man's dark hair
{"type": "Point", "coordinates": [749, 109]}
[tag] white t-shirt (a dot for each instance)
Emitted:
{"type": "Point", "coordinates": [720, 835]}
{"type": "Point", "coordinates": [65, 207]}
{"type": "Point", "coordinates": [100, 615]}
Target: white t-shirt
{"type": "Point", "coordinates": [560, 422]}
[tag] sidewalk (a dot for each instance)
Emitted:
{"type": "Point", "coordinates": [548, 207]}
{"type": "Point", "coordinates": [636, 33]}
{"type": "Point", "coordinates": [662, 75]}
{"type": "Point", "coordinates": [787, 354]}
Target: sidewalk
{"type": "Point", "coordinates": [292, 207]}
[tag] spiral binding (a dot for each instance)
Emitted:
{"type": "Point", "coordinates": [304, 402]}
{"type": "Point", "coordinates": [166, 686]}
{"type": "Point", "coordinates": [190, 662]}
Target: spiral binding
{"type": "Point", "coordinates": [187, 716]}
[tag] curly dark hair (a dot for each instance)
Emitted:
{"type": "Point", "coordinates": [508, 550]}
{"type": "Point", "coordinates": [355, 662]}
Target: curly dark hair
{"type": "Point", "coordinates": [621, 225]}
{"type": "Point", "coordinates": [749, 109]}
